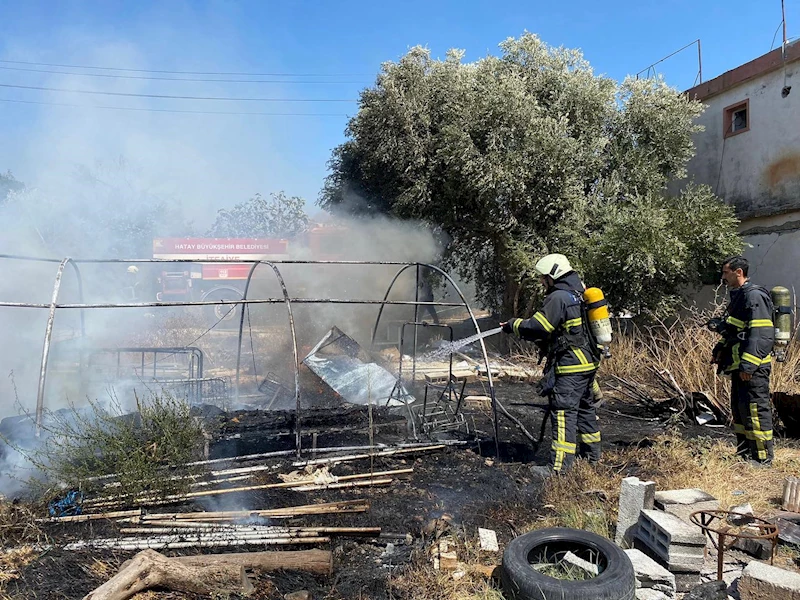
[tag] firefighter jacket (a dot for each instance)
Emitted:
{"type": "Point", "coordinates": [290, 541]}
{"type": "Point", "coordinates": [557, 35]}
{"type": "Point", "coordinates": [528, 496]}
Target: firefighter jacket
{"type": "Point", "coordinates": [748, 333]}
{"type": "Point", "coordinates": [560, 328]}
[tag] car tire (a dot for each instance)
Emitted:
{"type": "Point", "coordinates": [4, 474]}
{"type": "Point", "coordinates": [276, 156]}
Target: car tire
{"type": "Point", "coordinates": [616, 580]}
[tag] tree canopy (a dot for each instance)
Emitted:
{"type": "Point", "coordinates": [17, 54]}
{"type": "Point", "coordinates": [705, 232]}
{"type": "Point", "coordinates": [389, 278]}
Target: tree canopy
{"type": "Point", "coordinates": [277, 216]}
{"type": "Point", "coordinates": [107, 209]}
{"type": "Point", "coordinates": [530, 152]}
{"type": "Point", "coordinates": [8, 184]}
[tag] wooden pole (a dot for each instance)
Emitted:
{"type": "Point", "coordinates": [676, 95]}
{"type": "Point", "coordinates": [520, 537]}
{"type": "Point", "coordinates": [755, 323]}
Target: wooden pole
{"type": "Point", "coordinates": [156, 545]}
{"type": "Point", "coordinates": [255, 531]}
{"type": "Point", "coordinates": [346, 484]}
{"type": "Point", "coordinates": [94, 516]}
{"type": "Point", "coordinates": [310, 483]}
{"type": "Point", "coordinates": [338, 459]}
{"type": "Point", "coordinates": [348, 506]}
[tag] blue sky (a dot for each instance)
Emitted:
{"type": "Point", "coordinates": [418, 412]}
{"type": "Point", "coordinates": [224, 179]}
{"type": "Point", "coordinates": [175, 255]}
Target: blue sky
{"type": "Point", "coordinates": [209, 161]}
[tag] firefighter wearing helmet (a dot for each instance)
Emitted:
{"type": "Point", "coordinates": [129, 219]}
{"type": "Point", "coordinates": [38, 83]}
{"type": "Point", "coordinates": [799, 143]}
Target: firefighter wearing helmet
{"type": "Point", "coordinates": [561, 330]}
{"type": "Point", "coordinates": [131, 290]}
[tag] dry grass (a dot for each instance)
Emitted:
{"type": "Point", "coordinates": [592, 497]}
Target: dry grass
{"type": "Point", "coordinates": [12, 561]}
{"type": "Point", "coordinates": [682, 348]}
{"type": "Point", "coordinates": [18, 525]}
{"type": "Point", "coordinates": [19, 536]}
{"type": "Point", "coordinates": [588, 497]}
{"type": "Point", "coordinates": [420, 581]}
{"type": "Point", "coordinates": [101, 569]}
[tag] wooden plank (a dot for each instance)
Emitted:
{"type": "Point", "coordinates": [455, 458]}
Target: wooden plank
{"type": "Point", "coordinates": [496, 373]}
{"type": "Point", "coordinates": [467, 375]}
{"type": "Point", "coordinates": [788, 532]}
{"type": "Point", "coordinates": [518, 375]}
{"type": "Point", "coordinates": [484, 402]}
{"type": "Point", "coordinates": [94, 516]}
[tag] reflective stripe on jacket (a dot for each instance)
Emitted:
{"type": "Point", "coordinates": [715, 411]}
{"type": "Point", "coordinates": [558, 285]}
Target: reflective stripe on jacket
{"type": "Point", "coordinates": [560, 328]}
{"type": "Point", "coordinates": [750, 333]}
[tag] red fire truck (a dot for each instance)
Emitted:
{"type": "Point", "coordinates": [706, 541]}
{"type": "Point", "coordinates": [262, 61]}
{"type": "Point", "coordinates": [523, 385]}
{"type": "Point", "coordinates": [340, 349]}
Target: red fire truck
{"type": "Point", "coordinates": [209, 281]}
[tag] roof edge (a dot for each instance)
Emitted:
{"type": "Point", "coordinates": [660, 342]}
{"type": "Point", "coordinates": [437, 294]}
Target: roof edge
{"type": "Point", "coordinates": [762, 65]}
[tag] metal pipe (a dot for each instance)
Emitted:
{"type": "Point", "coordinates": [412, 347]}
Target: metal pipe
{"type": "Point", "coordinates": [699, 60]}
{"type": "Point", "coordinates": [204, 260]}
{"type": "Point", "coordinates": [416, 328]}
{"type": "Point", "coordinates": [385, 301]}
{"type": "Point", "coordinates": [288, 301]}
{"type": "Point", "coordinates": [83, 323]}
{"type": "Point", "coordinates": [697, 41]}
{"type": "Point", "coordinates": [80, 293]}
{"type": "Point", "coordinates": [783, 17]}
{"type": "Point", "coordinates": [241, 329]}
{"type": "Point", "coordinates": [226, 302]}
{"type": "Point", "coordinates": [48, 335]}
{"type": "Point", "coordinates": [29, 258]}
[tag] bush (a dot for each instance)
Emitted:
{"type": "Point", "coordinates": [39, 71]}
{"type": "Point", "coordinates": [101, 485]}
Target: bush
{"type": "Point", "coordinates": [85, 446]}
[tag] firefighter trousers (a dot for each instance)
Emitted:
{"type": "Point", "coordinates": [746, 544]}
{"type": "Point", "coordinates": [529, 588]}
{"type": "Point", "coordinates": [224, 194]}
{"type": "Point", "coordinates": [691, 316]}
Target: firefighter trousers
{"type": "Point", "coordinates": [573, 419]}
{"type": "Point", "coordinates": [752, 416]}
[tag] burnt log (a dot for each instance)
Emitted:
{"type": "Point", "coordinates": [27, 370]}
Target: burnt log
{"type": "Point", "coordinates": [149, 569]}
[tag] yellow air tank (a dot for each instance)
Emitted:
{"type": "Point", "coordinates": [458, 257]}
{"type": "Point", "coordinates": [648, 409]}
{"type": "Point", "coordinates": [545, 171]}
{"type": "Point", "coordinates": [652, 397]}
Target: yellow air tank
{"type": "Point", "coordinates": [599, 322]}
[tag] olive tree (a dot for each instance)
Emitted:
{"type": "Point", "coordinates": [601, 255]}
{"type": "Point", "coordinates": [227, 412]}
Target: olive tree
{"type": "Point", "coordinates": [530, 152]}
{"type": "Point", "coordinates": [277, 215]}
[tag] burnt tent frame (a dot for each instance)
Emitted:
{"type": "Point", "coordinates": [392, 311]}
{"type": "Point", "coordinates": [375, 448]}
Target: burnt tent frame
{"type": "Point", "coordinates": [54, 305]}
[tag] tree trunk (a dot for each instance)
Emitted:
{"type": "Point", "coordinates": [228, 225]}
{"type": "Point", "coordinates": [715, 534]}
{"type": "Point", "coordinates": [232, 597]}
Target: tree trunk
{"type": "Point", "coordinates": [317, 562]}
{"type": "Point", "coordinates": [149, 569]}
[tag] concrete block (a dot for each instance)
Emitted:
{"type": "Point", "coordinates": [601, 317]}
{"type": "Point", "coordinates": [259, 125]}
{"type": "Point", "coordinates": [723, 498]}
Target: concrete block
{"type": "Point", "coordinates": [678, 564]}
{"type": "Point", "coordinates": [577, 561]}
{"type": "Point", "coordinates": [761, 581]}
{"type": "Point", "coordinates": [686, 582]}
{"type": "Point", "coordinates": [667, 529]}
{"type": "Point", "coordinates": [713, 590]}
{"type": "Point", "coordinates": [683, 503]}
{"type": "Point", "coordinates": [651, 594]}
{"type": "Point", "coordinates": [650, 574]}
{"type": "Point", "coordinates": [656, 534]}
{"type": "Point", "coordinates": [634, 496]}
{"type": "Point", "coordinates": [685, 496]}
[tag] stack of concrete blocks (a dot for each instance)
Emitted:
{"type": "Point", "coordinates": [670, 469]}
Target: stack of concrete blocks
{"type": "Point", "coordinates": [653, 582]}
{"type": "Point", "coordinates": [682, 503]}
{"type": "Point", "coordinates": [678, 545]}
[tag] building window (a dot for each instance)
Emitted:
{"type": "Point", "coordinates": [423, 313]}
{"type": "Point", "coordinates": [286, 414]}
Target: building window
{"type": "Point", "coordinates": [737, 118]}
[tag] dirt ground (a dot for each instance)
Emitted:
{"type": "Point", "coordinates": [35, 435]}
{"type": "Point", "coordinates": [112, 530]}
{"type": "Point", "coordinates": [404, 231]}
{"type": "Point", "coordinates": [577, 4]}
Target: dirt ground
{"type": "Point", "coordinates": [458, 488]}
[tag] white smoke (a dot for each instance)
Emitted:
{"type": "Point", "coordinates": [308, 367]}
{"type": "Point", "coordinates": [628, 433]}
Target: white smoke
{"type": "Point", "coordinates": [97, 178]}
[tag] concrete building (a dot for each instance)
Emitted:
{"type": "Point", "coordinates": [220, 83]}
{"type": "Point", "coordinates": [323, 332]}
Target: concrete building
{"type": "Point", "coordinates": [749, 153]}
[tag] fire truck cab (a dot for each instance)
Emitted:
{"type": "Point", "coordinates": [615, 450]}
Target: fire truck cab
{"type": "Point", "coordinates": [211, 281]}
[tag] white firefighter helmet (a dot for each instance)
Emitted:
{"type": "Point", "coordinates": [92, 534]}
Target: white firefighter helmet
{"type": "Point", "coordinates": [133, 269]}
{"type": "Point", "coordinates": [554, 265]}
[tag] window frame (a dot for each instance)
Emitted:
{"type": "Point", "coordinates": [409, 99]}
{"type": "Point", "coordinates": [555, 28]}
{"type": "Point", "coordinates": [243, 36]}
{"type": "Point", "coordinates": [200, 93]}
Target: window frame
{"type": "Point", "coordinates": [727, 118]}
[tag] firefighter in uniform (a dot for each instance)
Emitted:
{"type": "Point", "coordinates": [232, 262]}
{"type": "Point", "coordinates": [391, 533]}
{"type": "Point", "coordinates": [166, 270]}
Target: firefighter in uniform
{"type": "Point", "coordinates": [131, 290]}
{"type": "Point", "coordinates": [748, 335]}
{"type": "Point", "coordinates": [561, 331]}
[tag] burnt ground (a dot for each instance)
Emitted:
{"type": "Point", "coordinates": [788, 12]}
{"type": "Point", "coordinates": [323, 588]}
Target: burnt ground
{"type": "Point", "coordinates": [456, 487]}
